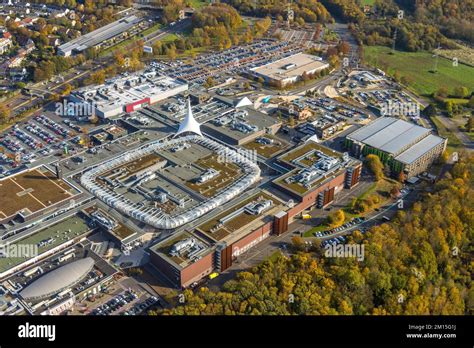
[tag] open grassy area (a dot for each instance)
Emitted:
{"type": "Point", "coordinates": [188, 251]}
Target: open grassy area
{"type": "Point", "coordinates": [198, 3]}
{"type": "Point", "coordinates": [418, 66]}
{"type": "Point", "coordinates": [273, 257]}
{"type": "Point", "coordinates": [463, 53]}
{"type": "Point", "coordinates": [454, 144]}
{"type": "Point", "coordinates": [169, 38]}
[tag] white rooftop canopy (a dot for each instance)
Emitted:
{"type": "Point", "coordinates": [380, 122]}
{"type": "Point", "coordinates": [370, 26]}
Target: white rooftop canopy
{"type": "Point", "coordinates": [243, 102]}
{"type": "Point", "coordinates": [189, 123]}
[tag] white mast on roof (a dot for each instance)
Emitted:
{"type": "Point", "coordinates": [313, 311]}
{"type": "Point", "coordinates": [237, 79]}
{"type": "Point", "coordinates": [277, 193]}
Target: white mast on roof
{"type": "Point", "coordinates": [189, 123]}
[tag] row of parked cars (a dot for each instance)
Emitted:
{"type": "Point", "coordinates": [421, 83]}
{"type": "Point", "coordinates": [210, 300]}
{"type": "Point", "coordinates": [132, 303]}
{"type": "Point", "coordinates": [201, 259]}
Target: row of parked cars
{"type": "Point", "coordinates": [27, 139]}
{"type": "Point", "coordinates": [142, 306]}
{"type": "Point", "coordinates": [351, 223]}
{"type": "Point", "coordinates": [334, 241]}
{"type": "Point", "coordinates": [55, 127]}
{"type": "Point", "coordinates": [41, 133]}
{"type": "Point", "coordinates": [115, 303]}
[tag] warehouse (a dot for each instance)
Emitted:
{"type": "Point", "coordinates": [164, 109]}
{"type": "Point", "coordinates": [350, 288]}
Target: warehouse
{"type": "Point", "coordinates": [128, 94]}
{"type": "Point", "coordinates": [403, 146]}
{"type": "Point", "coordinates": [99, 37]}
{"type": "Point", "coordinates": [290, 69]}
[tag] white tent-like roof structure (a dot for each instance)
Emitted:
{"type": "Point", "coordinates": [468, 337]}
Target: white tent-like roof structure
{"type": "Point", "coordinates": [314, 138]}
{"type": "Point", "coordinates": [189, 123]}
{"type": "Point", "coordinates": [243, 102]}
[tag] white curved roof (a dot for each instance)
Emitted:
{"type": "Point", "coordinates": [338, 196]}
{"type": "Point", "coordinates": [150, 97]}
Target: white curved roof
{"type": "Point", "coordinates": [189, 123]}
{"type": "Point", "coordinates": [58, 280]}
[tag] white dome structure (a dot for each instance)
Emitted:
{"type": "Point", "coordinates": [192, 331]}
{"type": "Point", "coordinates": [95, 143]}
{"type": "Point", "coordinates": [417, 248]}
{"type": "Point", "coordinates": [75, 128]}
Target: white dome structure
{"type": "Point", "coordinates": [189, 123]}
{"type": "Point", "coordinates": [57, 280]}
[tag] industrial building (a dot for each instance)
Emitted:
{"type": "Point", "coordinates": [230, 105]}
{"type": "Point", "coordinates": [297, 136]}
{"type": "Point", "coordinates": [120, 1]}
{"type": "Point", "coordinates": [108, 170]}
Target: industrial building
{"type": "Point", "coordinates": [128, 94]}
{"type": "Point", "coordinates": [403, 146]}
{"type": "Point", "coordinates": [99, 37]}
{"type": "Point", "coordinates": [289, 69]}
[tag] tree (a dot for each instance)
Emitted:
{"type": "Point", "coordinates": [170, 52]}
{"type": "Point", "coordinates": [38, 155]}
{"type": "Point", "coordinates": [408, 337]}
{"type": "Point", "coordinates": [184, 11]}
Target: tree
{"type": "Point", "coordinates": [442, 92]}
{"type": "Point", "coordinates": [395, 192]}
{"type": "Point", "coordinates": [469, 124]}
{"type": "Point", "coordinates": [336, 218]}
{"type": "Point", "coordinates": [430, 110]}
{"type": "Point", "coordinates": [67, 89]}
{"type": "Point", "coordinates": [402, 177]}
{"type": "Point", "coordinates": [397, 76]}
{"type": "Point", "coordinates": [171, 52]}
{"type": "Point", "coordinates": [449, 108]}
{"type": "Point", "coordinates": [210, 82]}
{"type": "Point", "coordinates": [375, 166]}
{"type": "Point", "coordinates": [291, 121]}
{"type": "Point", "coordinates": [461, 92]}
{"type": "Point", "coordinates": [410, 256]}
{"type": "Point", "coordinates": [4, 114]}
{"type": "Point", "coordinates": [444, 158]}
{"type": "Point", "coordinates": [298, 242]}
{"type": "Point", "coordinates": [471, 102]}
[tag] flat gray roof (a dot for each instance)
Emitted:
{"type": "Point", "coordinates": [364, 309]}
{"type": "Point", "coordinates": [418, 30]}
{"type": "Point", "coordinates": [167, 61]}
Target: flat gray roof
{"type": "Point", "coordinates": [102, 34]}
{"type": "Point", "coordinates": [419, 149]}
{"type": "Point", "coordinates": [300, 62]}
{"type": "Point", "coordinates": [373, 127]}
{"type": "Point", "coordinates": [390, 135]}
{"type": "Point", "coordinates": [401, 141]}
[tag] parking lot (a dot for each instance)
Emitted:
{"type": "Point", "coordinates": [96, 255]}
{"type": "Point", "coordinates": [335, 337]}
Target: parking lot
{"type": "Point", "coordinates": [230, 62]}
{"type": "Point", "coordinates": [39, 137]}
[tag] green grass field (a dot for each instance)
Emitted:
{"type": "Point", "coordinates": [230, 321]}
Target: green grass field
{"type": "Point", "coordinates": [198, 3]}
{"type": "Point", "coordinates": [417, 66]}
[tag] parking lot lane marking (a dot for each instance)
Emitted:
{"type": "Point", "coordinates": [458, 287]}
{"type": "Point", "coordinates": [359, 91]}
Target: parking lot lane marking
{"type": "Point", "coordinates": [1, 212]}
